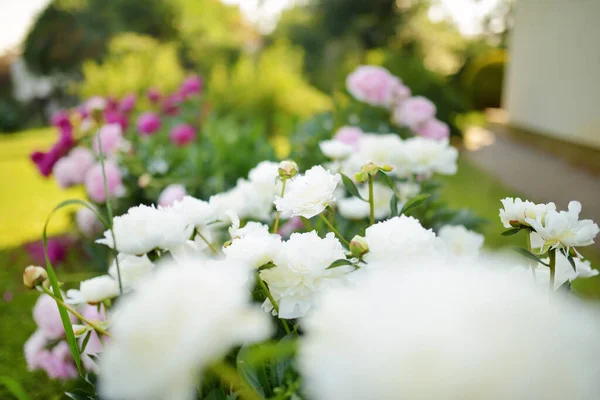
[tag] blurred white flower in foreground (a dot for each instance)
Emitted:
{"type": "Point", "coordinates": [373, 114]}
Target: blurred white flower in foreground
{"type": "Point", "coordinates": [460, 241]}
{"type": "Point", "coordinates": [143, 229]}
{"type": "Point", "coordinates": [174, 325]}
{"type": "Point", "coordinates": [564, 271]}
{"type": "Point", "coordinates": [301, 271]}
{"type": "Point", "coordinates": [444, 332]}
{"type": "Point", "coordinates": [132, 269]}
{"type": "Point", "coordinates": [309, 194]}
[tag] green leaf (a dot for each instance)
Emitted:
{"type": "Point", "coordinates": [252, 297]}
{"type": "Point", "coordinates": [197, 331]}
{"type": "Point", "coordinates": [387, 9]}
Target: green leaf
{"type": "Point", "coordinates": [86, 339]}
{"type": "Point", "coordinates": [569, 257]}
{"type": "Point", "coordinates": [394, 205]}
{"type": "Point", "coordinates": [511, 232]}
{"type": "Point", "coordinates": [216, 394]}
{"type": "Point", "coordinates": [249, 373]}
{"type": "Point", "coordinates": [14, 387]}
{"type": "Point", "coordinates": [339, 263]}
{"type": "Point", "coordinates": [530, 255]}
{"type": "Point", "coordinates": [564, 288]}
{"type": "Point", "coordinates": [64, 314]}
{"type": "Point", "coordinates": [415, 201]}
{"type": "Point", "coordinates": [268, 265]}
{"type": "Point", "coordinates": [351, 187]}
{"type": "Point", "coordinates": [388, 180]}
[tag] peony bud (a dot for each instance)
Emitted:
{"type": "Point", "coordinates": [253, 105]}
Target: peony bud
{"type": "Point", "coordinates": [360, 177]}
{"type": "Point", "coordinates": [386, 168]}
{"type": "Point", "coordinates": [34, 276]}
{"type": "Point", "coordinates": [359, 246]}
{"type": "Point", "coordinates": [370, 168]}
{"type": "Point", "coordinates": [287, 169]}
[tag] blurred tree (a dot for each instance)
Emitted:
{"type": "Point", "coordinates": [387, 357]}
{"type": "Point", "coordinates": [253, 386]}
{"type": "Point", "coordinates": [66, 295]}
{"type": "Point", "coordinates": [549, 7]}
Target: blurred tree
{"type": "Point", "coordinates": [70, 31]}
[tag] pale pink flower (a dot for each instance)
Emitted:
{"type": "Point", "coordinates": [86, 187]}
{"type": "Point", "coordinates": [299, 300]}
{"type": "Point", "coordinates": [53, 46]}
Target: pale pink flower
{"type": "Point", "coordinates": [182, 135]}
{"type": "Point", "coordinates": [88, 222]}
{"type": "Point", "coordinates": [94, 345]}
{"type": "Point", "coordinates": [127, 103]}
{"type": "Point", "coordinates": [292, 225]}
{"type": "Point", "coordinates": [171, 194]}
{"type": "Point", "coordinates": [400, 92]}
{"type": "Point", "coordinates": [59, 363]}
{"type": "Point", "coordinates": [350, 135]}
{"type": "Point", "coordinates": [372, 85]}
{"type": "Point", "coordinates": [35, 350]}
{"type": "Point", "coordinates": [111, 139]}
{"type": "Point", "coordinates": [433, 129]}
{"type": "Point", "coordinates": [414, 111]}
{"type": "Point", "coordinates": [47, 317]}
{"type": "Point", "coordinates": [94, 182]}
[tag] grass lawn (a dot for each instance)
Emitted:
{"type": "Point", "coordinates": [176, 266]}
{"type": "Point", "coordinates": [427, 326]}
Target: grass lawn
{"type": "Point", "coordinates": [29, 198]}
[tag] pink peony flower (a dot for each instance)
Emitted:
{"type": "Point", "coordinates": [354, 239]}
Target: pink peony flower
{"type": "Point", "coordinates": [350, 135]}
{"type": "Point", "coordinates": [433, 129]}
{"type": "Point", "coordinates": [127, 103]}
{"type": "Point", "coordinates": [372, 85]}
{"type": "Point", "coordinates": [182, 135]}
{"type": "Point", "coordinates": [414, 111]}
{"type": "Point", "coordinates": [95, 103]}
{"type": "Point", "coordinates": [170, 105]}
{"type": "Point", "coordinates": [191, 85]}
{"type": "Point", "coordinates": [94, 183]}
{"type": "Point", "coordinates": [35, 350]}
{"type": "Point", "coordinates": [71, 170]}
{"type": "Point", "coordinates": [111, 104]}
{"type": "Point", "coordinates": [58, 248]}
{"type": "Point", "coordinates": [46, 316]}
{"type": "Point", "coordinates": [116, 117]}
{"type": "Point", "coordinates": [171, 194]}
{"type": "Point", "coordinates": [59, 363]}
{"type": "Point", "coordinates": [60, 119]}
{"type": "Point", "coordinates": [87, 222]}
{"type": "Point", "coordinates": [111, 139]}
{"type": "Point", "coordinates": [153, 95]}
{"type": "Point", "coordinates": [45, 161]}
{"type": "Point", "coordinates": [400, 92]}
{"type": "Point", "coordinates": [148, 123]}
{"type": "Point", "coordinates": [94, 345]}
{"type": "Point", "coordinates": [292, 225]}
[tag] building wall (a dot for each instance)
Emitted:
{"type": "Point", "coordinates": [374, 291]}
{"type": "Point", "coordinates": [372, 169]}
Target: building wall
{"type": "Point", "coordinates": [552, 84]}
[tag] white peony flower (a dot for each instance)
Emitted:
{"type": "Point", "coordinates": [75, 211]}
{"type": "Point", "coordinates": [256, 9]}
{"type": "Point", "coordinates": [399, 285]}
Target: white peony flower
{"type": "Point", "coordinates": [335, 149]}
{"type": "Point", "coordinates": [265, 175]}
{"type": "Point", "coordinates": [446, 333]}
{"type": "Point", "coordinates": [301, 271]}
{"type": "Point", "coordinates": [255, 247]}
{"type": "Point", "coordinates": [174, 325]}
{"type": "Point", "coordinates": [132, 269]}
{"type": "Point", "coordinates": [379, 149]}
{"type": "Point", "coordinates": [246, 199]}
{"type": "Point", "coordinates": [564, 229]}
{"type": "Point", "coordinates": [407, 190]}
{"type": "Point", "coordinates": [355, 208]}
{"type": "Point", "coordinates": [198, 213]}
{"type": "Point", "coordinates": [400, 240]}
{"type": "Point", "coordinates": [143, 229]}
{"type": "Point", "coordinates": [460, 241]}
{"type": "Point", "coordinates": [515, 211]}
{"type": "Point", "coordinates": [94, 291]}
{"type": "Point", "coordinates": [425, 157]}
{"type": "Point", "coordinates": [309, 194]}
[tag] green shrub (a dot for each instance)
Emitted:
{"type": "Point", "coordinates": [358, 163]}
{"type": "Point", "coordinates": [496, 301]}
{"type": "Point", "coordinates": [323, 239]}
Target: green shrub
{"type": "Point", "coordinates": [483, 79]}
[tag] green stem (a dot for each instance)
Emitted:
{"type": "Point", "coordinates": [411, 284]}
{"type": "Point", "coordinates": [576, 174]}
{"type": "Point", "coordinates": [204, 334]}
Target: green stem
{"type": "Point", "coordinates": [209, 244]}
{"type": "Point", "coordinates": [552, 255]}
{"type": "Point", "coordinates": [75, 313]}
{"type": "Point", "coordinates": [531, 264]}
{"type": "Point", "coordinates": [230, 376]}
{"type": "Point", "coordinates": [273, 302]}
{"type": "Point", "coordinates": [276, 224]}
{"type": "Point", "coordinates": [329, 224]}
{"type": "Point", "coordinates": [371, 201]}
{"type": "Point", "coordinates": [110, 214]}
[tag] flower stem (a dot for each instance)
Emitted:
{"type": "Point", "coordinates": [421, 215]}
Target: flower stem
{"type": "Point", "coordinates": [228, 374]}
{"type": "Point", "coordinates": [552, 264]}
{"type": "Point", "coordinates": [209, 244]}
{"type": "Point", "coordinates": [531, 264]}
{"type": "Point", "coordinates": [273, 302]}
{"type": "Point", "coordinates": [371, 202]}
{"type": "Point", "coordinates": [76, 313]}
{"type": "Point", "coordinates": [276, 224]}
{"type": "Point", "coordinates": [334, 230]}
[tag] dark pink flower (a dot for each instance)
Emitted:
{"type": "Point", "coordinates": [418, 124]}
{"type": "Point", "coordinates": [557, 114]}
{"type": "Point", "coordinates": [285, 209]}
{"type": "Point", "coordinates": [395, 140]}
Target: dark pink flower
{"type": "Point", "coordinates": [153, 95]}
{"type": "Point", "coordinates": [45, 160]}
{"type": "Point", "coordinates": [182, 135]}
{"type": "Point", "coordinates": [148, 123]}
{"type": "Point", "coordinates": [191, 85]}
{"type": "Point", "coordinates": [170, 105]}
{"type": "Point", "coordinates": [57, 250]}
{"type": "Point", "coordinates": [116, 117]}
{"type": "Point", "coordinates": [60, 119]}
{"type": "Point", "coordinates": [127, 103]}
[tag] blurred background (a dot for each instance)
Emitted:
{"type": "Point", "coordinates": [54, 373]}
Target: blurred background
{"type": "Point", "coordinates": [517, 80]}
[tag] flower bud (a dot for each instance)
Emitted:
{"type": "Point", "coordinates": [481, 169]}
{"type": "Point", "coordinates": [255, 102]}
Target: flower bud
{"type": "Point", "coordinates": [515, 223]}
{"type": "Point", "coordinates": [144, 180]}
{"type": "Point", "coordinates": [34, 276]}
{"type": "Point", "coordinates": [359, 246]}
{"type": "Point", "coordinates": [370, 168]}
{"type": "Point", "coordinates": [287, 169]}
{"type": "Point", "coordinates": [386, 168]}
{"type": "Point", "coordinates": [360, 177]}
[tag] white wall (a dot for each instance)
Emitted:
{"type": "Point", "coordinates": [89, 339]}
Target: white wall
{"type": "Point", "coordinates": [552, 84]}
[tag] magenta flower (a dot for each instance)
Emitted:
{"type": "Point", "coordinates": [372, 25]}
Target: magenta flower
{"type": "Point", "coordinates": [45, 160]}
{"type": "Point", "coordinates": [57, 250]}
{"type": "Point", "coordinates": [94, 182]}
{"type": "Point", "coordinates": [182, 135]}
{"type": "Point", "coordinates": [191, 85]}
{"type": "Point", "coordinates": [153, 95]}
{"type": "Point", "coordinates": [127, 103]}
{"type": "Point", "coordinates": [60, 119]}
{"type": "Point", "coordinates": [170, 105]}
{"type": "Point", "coordinates": [116, 117]}
{"type": "Point", "coordinates": [148, 123]}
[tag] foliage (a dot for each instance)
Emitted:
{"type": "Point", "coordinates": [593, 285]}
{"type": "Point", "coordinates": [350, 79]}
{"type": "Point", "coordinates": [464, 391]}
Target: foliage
{"type": "Point", "coordinates": [68, 32]}
{"type": "Point", "coordinates": [133, 64]}
{"type": "Point", "coordinates": [483, 79]}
